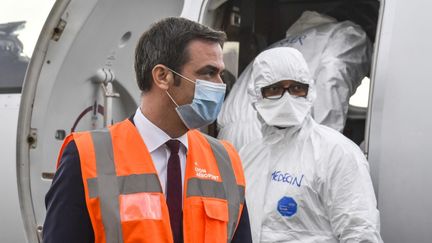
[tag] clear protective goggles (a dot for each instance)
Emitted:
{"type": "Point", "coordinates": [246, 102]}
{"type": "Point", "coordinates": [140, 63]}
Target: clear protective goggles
{"type": "Point", "coordinates": [277, 90]}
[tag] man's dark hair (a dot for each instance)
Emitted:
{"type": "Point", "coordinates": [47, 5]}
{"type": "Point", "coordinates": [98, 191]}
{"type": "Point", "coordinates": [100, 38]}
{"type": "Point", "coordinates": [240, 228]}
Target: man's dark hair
{"type": "Point", "coordinates": [166, 43]}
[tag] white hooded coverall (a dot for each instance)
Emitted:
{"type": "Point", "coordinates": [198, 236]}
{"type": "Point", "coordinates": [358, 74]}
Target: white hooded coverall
{"type": "Point", "coordinates": [306, 182]}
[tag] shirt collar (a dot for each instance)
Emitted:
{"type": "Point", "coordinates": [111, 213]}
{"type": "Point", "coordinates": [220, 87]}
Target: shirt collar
{"type": "Point", "coordinates": [153, 136]}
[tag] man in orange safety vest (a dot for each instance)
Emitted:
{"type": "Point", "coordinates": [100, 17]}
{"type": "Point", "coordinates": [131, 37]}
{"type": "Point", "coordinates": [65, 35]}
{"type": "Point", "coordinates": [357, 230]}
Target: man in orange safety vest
{"type": "Point", "coordinates": [154, 177]}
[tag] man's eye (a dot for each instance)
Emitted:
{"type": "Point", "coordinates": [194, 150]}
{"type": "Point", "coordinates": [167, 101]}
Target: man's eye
{"type": "Point", "coordinates": [211, 73]}
{"type": "Point", "coordinates": [274, 89]}
{"type": "Point", "coordinates": [299, 88]}
{"type": "Point", "coordinates": [296, 87]}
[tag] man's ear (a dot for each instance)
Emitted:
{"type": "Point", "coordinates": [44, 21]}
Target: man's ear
{"type": "Point", "coordinates": [162, 77]}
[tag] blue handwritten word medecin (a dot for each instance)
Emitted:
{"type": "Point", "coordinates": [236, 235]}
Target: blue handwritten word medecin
{"type": "Point", "coordinates": [287, 178]}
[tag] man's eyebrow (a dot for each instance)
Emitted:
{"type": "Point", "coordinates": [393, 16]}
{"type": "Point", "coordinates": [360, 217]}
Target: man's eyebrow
{"type": "Point", "coordinates": [208, 68]}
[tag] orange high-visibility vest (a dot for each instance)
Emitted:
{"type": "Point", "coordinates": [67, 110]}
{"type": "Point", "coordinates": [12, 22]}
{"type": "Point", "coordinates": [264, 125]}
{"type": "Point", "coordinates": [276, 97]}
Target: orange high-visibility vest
{"type": "Point", "coordinates": [124, 196]}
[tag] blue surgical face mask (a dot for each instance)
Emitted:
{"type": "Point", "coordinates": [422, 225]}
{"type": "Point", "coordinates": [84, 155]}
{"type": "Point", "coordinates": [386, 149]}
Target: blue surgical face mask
{"type": "Point", "coordinates": [205, 106]}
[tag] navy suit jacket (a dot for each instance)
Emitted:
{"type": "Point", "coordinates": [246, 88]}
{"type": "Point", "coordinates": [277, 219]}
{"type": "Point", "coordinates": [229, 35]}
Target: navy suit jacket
{"type": "Point", "coordinates": [67, 218]}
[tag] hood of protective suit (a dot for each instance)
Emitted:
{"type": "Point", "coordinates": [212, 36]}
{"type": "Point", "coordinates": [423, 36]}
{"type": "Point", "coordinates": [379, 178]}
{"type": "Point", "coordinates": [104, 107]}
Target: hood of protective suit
{"type": "Point", "coordinates": [272, 66]}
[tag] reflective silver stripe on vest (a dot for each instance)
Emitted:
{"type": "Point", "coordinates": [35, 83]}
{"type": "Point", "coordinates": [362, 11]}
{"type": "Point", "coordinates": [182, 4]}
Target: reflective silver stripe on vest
{"type": "Point", "coordinates": [107, 186]}
{"type": "Point", "coordinates": [205, 188]}
{"type": "Point", "coordinates": [129, 184]}
{"type": "Point", "coordinates": [228, 178]}
{"type": "Point", "coordinates": [208, 188]}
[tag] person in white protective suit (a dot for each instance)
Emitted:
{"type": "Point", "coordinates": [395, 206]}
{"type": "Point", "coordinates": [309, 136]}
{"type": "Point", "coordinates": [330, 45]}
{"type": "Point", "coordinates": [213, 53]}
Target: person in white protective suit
{"type": "Point", "coordinates": [306, 181]}
{"type": "Point", "coordinates": [338, 55]}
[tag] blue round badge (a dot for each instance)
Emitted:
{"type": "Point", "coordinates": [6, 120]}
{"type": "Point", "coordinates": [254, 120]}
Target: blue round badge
{"type": "Point", "coordinates": [287, 206]}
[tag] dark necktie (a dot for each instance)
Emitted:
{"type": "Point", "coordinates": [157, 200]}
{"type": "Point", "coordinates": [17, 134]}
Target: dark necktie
{"type": "Point", "coordinates": [174, 190]}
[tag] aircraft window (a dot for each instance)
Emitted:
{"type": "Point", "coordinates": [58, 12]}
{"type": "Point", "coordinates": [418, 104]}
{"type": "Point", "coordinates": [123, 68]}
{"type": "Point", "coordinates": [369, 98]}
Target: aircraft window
{"type": "Point", "coordinates": [20, 24]}
{"type": "Point", "coordinates": [361, 96]}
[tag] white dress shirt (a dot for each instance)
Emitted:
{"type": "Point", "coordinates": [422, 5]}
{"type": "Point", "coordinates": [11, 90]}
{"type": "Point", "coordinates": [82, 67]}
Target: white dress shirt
{"type": "Point", "coordinates": [155, 139]}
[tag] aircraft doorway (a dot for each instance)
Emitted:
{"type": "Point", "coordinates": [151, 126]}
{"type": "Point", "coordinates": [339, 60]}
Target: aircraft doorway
{"type": "Point", "coordinates": [258, 25]}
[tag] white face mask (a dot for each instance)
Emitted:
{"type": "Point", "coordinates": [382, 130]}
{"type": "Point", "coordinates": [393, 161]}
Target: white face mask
{"type": "Point", "coordinates": [288, 111]}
